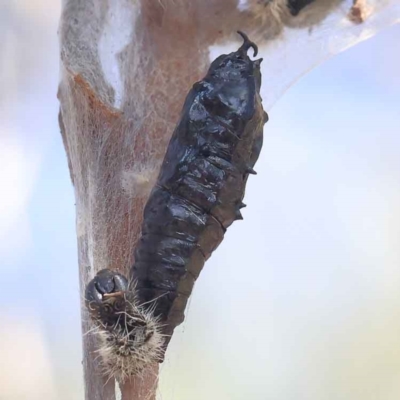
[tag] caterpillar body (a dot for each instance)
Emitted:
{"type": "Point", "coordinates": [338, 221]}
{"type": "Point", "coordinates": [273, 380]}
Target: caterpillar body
{"type": "Point", "coordinates": [197, 196]}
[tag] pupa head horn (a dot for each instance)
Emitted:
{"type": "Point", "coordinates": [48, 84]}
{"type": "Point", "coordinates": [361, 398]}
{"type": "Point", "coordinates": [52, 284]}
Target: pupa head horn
{"type": "Point", "coordinates": [247, 43]}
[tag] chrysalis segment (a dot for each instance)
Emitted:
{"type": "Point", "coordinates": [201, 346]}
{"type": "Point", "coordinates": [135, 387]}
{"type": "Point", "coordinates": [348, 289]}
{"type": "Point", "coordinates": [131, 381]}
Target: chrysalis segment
{"type": "Point", "coordinates": [202, 181]}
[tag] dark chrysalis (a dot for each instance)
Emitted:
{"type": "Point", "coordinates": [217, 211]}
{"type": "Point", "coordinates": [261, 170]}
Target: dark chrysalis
{"type": "Point", "coordinates": [199, 191]}
{"type": "Point", "coordinates": [202, 180]}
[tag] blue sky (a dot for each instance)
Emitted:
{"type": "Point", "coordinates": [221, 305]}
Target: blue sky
{"type": "Point", "coordinates": [305, 289]}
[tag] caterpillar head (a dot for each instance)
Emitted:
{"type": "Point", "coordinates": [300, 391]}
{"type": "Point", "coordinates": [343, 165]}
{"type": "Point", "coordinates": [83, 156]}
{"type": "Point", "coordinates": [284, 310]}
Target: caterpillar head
{"type": "Point", "coordinates": [105, 296]}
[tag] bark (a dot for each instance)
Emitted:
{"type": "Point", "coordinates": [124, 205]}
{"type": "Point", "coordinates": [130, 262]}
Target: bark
{"type": "Point", "coordinates": [126, 68]}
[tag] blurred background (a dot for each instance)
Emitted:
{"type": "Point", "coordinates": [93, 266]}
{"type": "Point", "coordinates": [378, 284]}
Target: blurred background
{"type": "Point", "coordinates": [301, 300]}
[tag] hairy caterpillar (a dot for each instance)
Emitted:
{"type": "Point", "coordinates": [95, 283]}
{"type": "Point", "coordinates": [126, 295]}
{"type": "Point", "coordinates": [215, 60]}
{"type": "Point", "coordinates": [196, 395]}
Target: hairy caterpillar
{"type": "Point", "coordinates": [129, 335]}
{"type": "Point", "coordinates": [198, 195]}
{"type": "Point", "coordinates": [273, 16]}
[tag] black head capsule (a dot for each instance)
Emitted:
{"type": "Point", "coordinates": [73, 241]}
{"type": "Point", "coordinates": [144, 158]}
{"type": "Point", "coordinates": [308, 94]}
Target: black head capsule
{"type": "Point", "coordinates": [105, 284]}
{"type": "Point", "coordinates": [295, 6]}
